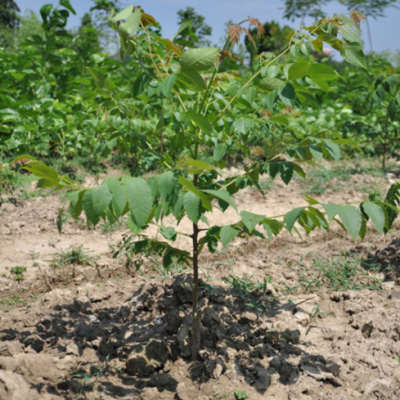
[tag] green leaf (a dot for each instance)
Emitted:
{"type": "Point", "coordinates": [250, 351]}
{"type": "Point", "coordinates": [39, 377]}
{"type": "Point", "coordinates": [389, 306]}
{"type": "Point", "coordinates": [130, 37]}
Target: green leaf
{"type": "Point", "coordinates": [353, 53]}
{"type": "Point", "coordinates": [45, 11]}
{"type": "Point", "coordinates": [270, 83]}
{"type": "Point", "coordinates": [41, 170]}
{"type": "Point", "coordinates": [88, 206]}
{"type": "Point", "coordinates": [279, 119]}
{"type": "Point", "coordinates": [140, 85]}
{"type": "Point", "coordinates": [101, 198]}
{"type": "Point", "coordinates": [200, 121]}
{"type": "Point", "coordinates": [140, 199]}
{"type": "Point", "coordinates": [351, 218]}
{"type": "Point", "coordinates": [125, 13]}
{"type": "Point", "coordinates": [376, 214]}
{"type": "Point", "coordinates": [167, 84]}
{"type": "Point", "coordinates": [67, 5]}
{"type": "Point", "coordinates": [228, 233]}
{"type": "Point", "coordinates": [291, 217]}
{"type": "Point", "coordinates": [192, 205]}
{"type": "Point", "coordinates": [75, 206]}
{"type": "Point", "coordinates": [322, 72]}
{"type": "Point", "coordinates": [199, 164]}
{"type": "Point", "coordinates": [168, 186]}
{"type": "Point", "coordinates": [220, 151]}
{"type": "Point", "coordinates": [251, 220]}
{"type": "Point", "coordinates": [199, 59]}
{"type": "Point", "coordinates": [318, 45]}
{"type": "Point", "coordinates": [331, 210]}
{"type": "Point", "coordinates": [223, 195]}
{"type": "Point", "coordinates": [286, 171]}
{"type": "Point", "coordinates": [131, 24]}
{"type": "Point", "coordinates": [196, 79]}
{"type": "Point", "coordinates": [169, 233]}
{"type": "Point", "coordinates": [287, 95]}
{"type": "Point", "coordinates": [190, 186]}
{"type": "Point", "coordinates": [349, 33]}
{"type": "Point", "coordinates": [118, 202]}
{"type": "Point", "coordinates": [299, 171]}
{"type": "Point", "coordinates": [334, 150]}
{"type": "Point", "coordinates": [298, 70]}
{"type": "Point", "coordinates": [243, 125]}
{"type": "Point", "coordinates": [98, 76]}
{"type": "Point", "coordinates": [272, 227]}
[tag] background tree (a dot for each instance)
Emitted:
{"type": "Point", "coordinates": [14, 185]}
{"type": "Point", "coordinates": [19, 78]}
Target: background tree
{"type": "Point", "coordinates": [272, 41]}
{"type": "Point", "coordinates": [9, 21]}
{"type": "Point", "coordinates": [304, 8]}
{"type": "Point", "coordinates": [370, 8]}
{"type": "Point", "coordinates": [198, 26]}
{"type": "Point", "coordinates": [101, 11]}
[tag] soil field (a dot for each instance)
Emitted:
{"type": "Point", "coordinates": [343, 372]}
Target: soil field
{"type": "Point", "coordinates": [294, 318]}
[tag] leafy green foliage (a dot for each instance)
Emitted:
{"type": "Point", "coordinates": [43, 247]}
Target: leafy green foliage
{"type": "Point", "coordinates": [196, 130]}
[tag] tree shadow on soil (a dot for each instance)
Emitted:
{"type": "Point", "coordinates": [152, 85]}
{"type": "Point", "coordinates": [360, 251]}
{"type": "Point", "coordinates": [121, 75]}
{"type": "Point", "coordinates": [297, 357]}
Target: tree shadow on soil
{"type": "Point", "coordinates": [144, 342]}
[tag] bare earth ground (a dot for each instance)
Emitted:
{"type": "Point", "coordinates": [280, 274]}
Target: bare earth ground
{"type": "Point", "coordinates": [108, 331]}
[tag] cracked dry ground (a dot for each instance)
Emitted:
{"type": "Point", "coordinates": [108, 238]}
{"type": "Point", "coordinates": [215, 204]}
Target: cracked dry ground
{"type": "Point", "coordinates": [110, 332]}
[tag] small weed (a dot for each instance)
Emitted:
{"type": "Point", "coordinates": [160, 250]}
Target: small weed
{"type": "Point", "coordinates": [341, 273]}
{"type": "Point", "coordinates": [34, 254]}
{"type": "Point", "coordinates": [73, 255]}
{"type": "Point", "coordinates": [241, 395]}
{"type": "Point", "coordinates": [168, 273]}
{"type": "Point", "coordinates": [397, 358]}
{"type": "Point", "coordinates": [18, 273]}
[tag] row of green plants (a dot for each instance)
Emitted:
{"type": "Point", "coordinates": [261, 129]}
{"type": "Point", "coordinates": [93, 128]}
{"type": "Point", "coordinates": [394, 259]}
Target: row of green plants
{"type": "Point", "coordinates": [204, 112]}
{"type": "Point", "coordinates": [49, 103]}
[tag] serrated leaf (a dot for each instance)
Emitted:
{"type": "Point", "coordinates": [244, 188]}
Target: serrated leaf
{"type": "Point", "coordinates": [351, 218]}
{"type": "Point", "coordinates": [67, 5]}
{"type": "Point", "coordinates": [223, 195]}
{"type": "Point", "coordinates": [286, 171]}
{"type": "Point", "coordinates": [196, 79]}
{"type": "Point", "coordinates": [167, 84]}
{"type": "Point", "coordinates": [220, 151]}
{"type": "Point", "coordinates": [200, 121]}
{"type": "Point", "coordinates": [169, 233]}
{"type": "Point", "coordinates": [322, 72]}
{"type": "Point", "coordinates": [101, 197]}
{"type": "Point", "coordinates": [353, 53]}
{"type": "Point", "coordinates": [291, 217]}
{"type": "Point", "coordinates": [270, 83]}
{"type": "Point", "coordinates": [331, 210]}
{"type": "Point", "coordinates": [87, 202]}
{"type": "Point", "coordinates": [125, 13]}
{"type": "Point", "coordinates": [279, 119]}
{"type": "Point", "coordinates": [190, 186]}
{"type": "Point", "coordinates": [272, 227]}
{"type": "Point", "coordinates": [140, 199]}
{"type": "Point", "coordinates": [118, 202]}
{"type": "Point", "coordinates": [199, 164]}
{"type": "Point", "coordinates": [334, 150]}
{"type": "Point", "coordinates": [376, 215]}
{"type": "Point", "coordinates": [199, 59]}
{"type": "Point", "coordinates": [298, 70]}
{"type": "Point", "coordinates": [131, 24]}
{"type": "Point", "coordinates": [168, 186]}
{"type": "Point", "coordinates": [98, 76]}
{"type": "Point", "coordinates": [243, 125]}
{"type": "Point", "coordinates": [228, 233]}
{"type": "Point", "coordinates": [192, 205]}
{"type": "Point", "coordinates": [251, 220]}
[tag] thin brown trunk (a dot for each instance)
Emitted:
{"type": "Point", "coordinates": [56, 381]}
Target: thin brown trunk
{"type": "Point", "coordinates": [196, 317]}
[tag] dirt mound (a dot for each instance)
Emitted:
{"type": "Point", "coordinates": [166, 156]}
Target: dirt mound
{"type": "Point", "coordinates": [136, 344]}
